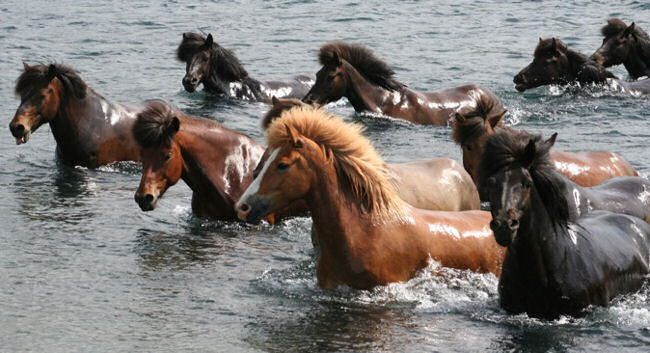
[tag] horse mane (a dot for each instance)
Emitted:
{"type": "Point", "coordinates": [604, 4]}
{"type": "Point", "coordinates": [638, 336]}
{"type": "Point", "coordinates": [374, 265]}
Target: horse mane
{"type": "Point", "coordinates": [279, 106]}
{"type": "Point", "coordinates": [585, 69]}
{"type": "Point", "coordinates": [615, 26]}
{"type": "Point", "coordinates": [363, 59]}
{"type": "Point", "coordinates": [152, 126]}
{"type": "Point", "coordinates": [223, 63]}
{"type": "Point", "coordinates": [507, 149]}
{"type": "Point", "coordinates": [39, 76]}
{"type": "Point", "coordinates": [471, 126]}
{"type": "Point", "coordinates": [362, 173]}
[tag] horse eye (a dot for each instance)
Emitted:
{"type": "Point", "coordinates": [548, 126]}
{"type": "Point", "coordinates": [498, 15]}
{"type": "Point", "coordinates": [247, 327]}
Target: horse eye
{"type": "Point", "coordinates": [283, 166]}
{"type": "Point", "coordinates": [167, 157]}
{"type": "Point", "coordinates": [527, 184]}
{"type": "Point", "coordinates": [468, 147]}
{"type": "Point", "coordinates": [331, 77]}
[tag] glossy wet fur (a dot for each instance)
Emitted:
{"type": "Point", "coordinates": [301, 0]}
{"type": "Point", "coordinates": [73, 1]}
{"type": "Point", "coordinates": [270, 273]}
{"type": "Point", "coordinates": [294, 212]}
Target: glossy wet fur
{"type": "Point", "coordinates": [354, 72]}
{"type": "Point", "coordinates": [220, 72]}
{"type": "Point", "coordinates": [559, 261]}
{"type": "Point", "coordinates": [627, 45]}
{"type": "Point", "coordinates": [89, 130]}
{"type": "Point", "coordinates": [367, 235]}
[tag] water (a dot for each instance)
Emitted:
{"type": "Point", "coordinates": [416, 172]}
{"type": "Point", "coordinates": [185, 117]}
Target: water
{"type": "Point", "coordinates": [83, 269]}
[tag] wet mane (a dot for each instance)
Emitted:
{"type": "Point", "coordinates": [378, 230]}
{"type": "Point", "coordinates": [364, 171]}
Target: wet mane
{"type": "Point", "coordinates": [582, 68]}
{"type": "Point", "coordinates": [363, 59]}
{"type": "Point", "coordinates": [152, 125]}
{"type": "Point", "coordinates": [506, 150]}
{"type": "Point", "coordinates": [615, 26]}
{"type": "Point", "coordinates": [471, 126]}
{"type": "Point", "coordinates": [224, 65]}
{"type": "Point", "coordinates": [362, 173]}
{"type": "Point", "coordinates": [278, 108]}
{"type": "Point", "coordinates": [39, 76]}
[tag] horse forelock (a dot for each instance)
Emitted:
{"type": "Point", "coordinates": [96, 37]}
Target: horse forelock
{"type": "Point", "coordinates": [189, 46]}
{"type": "Point", "coordinates": [151, 127]}
{"type": "Point", "coordinates": [38, 76]}
{"type": "Point", "coordinates": [545, 47]}
{"type": "Point", "coordinates": [507, 150]}
{"type": "Point", "coordinates": [362, 172]}
{"type": "Point", "coordinates": [615, 26]}
{"type": "Point", "coordinates": [363, 60]}
{"type": "Point", "coordinates": [468, 129]}
{"type": "Point", "coordinates": [277, 110]}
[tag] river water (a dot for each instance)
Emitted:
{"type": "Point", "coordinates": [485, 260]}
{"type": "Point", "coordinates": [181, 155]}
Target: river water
{"type": "Point", "coordinates": [82, 269]}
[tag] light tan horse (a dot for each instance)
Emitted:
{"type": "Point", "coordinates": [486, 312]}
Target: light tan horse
{"type": "Point", "coordinates": [368, 235]}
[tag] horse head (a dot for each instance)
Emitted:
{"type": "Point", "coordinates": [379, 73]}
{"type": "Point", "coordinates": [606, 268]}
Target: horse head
{"type": "Point", "coordinates": [162, 163]}
{"type": "Point", "coordinates": [619, 40]}
{"type": "Point", "coordinates": [41, 89]}
{"type": "Point", "coordinates": [550, 65]}
{"type": "Point", "coordinates": [194, 50]}
{"type": "Point", "coordinates": [331, 81]}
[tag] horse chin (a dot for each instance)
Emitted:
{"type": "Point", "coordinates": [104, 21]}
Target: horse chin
{"type": "Point", "coordinates": [505, 235]}
{"type": "Point", "coordinates": [522, 87]}
{"type": "Point", "coordinates": [190, 88]}
{"type": "Point", "coordinates": [23, 139]}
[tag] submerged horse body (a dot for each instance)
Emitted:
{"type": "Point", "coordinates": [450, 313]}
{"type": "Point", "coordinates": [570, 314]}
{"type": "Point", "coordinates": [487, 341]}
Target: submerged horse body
{"type": "Point", "coordinates": [354, 72]}
{"type": "Point", "coordinates": [585, 168]}
{"type": "Point", "coordinates": [89, 130]}
{"type": "Point", "coordinates": [368, 236]}
{"type": "Point", "coordinates": [627, 45]}
{"type": "Point", "coordinates": [558, 261]}
{"type": "Point", "coordinates": [219, 70]}
{"type": "Point", "coordinates": [555, 63]}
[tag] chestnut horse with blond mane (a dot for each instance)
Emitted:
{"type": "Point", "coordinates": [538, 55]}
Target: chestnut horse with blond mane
{"type": "Point", "coordinates": [368, 235]}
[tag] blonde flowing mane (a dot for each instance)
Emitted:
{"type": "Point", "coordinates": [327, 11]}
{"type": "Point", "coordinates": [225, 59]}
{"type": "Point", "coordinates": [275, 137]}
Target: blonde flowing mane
{"type": "Point", "coordinates": [358, 165]}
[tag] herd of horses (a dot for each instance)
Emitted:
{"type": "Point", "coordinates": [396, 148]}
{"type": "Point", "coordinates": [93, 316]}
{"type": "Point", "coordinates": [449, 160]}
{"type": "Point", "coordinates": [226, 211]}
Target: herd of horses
{"type": "Point", "coordinates": [565, 230]}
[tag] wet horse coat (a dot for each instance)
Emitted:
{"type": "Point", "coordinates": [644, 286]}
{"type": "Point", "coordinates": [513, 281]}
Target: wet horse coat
{"type": "Point", "coordinates": [627, 45]}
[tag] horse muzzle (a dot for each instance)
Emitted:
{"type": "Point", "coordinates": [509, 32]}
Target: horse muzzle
{"type": "Point", "coordinates": [504, 230]}
{"type": "Point", "coordinates": [147, 202]}
{"type": "Point", "coordinates": [190, 83]}
{"type": "Point", "coordinates": [521, 83]}
{"type": "Point", "coordinates": [21, 134]}
{"type": "Point", "coordinates": [252, 210]}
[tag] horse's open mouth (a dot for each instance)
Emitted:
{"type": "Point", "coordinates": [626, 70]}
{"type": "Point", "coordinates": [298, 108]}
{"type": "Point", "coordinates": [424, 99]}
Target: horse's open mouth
{"type": "Point", "coordinates": [23, 139]}
{"type": "Point", "coordinates": [521, 87]}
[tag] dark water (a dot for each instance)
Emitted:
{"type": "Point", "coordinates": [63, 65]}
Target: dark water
{"type": "Point", "coordinates": [82, 269]}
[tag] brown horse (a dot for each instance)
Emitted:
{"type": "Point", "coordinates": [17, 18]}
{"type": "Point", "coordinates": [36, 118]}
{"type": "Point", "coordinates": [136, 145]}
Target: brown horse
{"type": "Point", "coordinates": [368, 236]}
{"type": "Point", "coordinates": [215, 162]}
{"type": "Point", "coordinates": [585, 168]}
{"type": "Point", "coordinates": [627, 45]}
{"type": "Point", "coordinates": [439, 184]}
{"type": "Point", "coordinates": [89, 130]}
{"type": "Point", "coordinates": [353, 71]}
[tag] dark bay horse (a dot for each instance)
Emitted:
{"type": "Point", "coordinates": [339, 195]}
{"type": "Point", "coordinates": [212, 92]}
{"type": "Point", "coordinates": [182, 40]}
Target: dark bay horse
{"type": "Point", "coordinates": [353, 71]}
{"type": "Point", "coordinates": [368, 236]}
{"type": "Point", "coordinates": [585, 168]}
{"type": "Point", "coordinates": [555, 63]}
{"type": "Point", "coordinates": [216, 163]}
{"type": "Point", "coordinates": [627, 45]}
{"type": "Point", "coordinates": [220, 72]}
{"type": "Point", "coordinates": [558, 261]}
{"type": "Point", "coordinates": [439, 184]}
{"type": "Point", "coordinates": [89, 130]}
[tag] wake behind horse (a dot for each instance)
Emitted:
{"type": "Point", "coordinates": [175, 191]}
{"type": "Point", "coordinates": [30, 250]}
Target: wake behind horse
{"type": "Point", "coordinates": [368, 236]}
{"type": "Point", "coordinates": [220, 72]}
{"type": "Point", "coordinates": [585, 168]}
{"type": "Point", "coordinates": [555, 63]}
{"type": "Point", "coordinates": [89, 130]}
{"type": "Point", "coordinates": [354, 72]}
{"type": "Point", "coordinates": [558, 261]}
{"type": "Point", "coordinates": [627, 45]}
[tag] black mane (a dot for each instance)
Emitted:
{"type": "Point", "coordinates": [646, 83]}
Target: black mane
{"type": "Point", "coordinates": [363, 59]}
{"type": "Point", "coordinates": [583, 68]}
{"type": "Point", "coordinates": [152, 125]}
{"type": "Point", "coordinates": [506, 149]}
{"type": "Point", "coordinates": [39, 76]}
{"type": "Point", "coordinates": [615, 26]}
{"type": "Point", "coordinates": [223, 63]}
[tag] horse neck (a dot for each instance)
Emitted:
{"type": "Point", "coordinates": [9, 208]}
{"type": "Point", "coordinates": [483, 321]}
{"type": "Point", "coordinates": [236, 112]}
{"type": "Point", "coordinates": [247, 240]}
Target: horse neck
{"type": "Point", "coordinates": [634, 62]}
{"type": "Point", "coordinates": [66, 126]}
{"type": "Point", "coordinates": [363, 94]}
{"type": "Point", "coordinates": [585, 70]}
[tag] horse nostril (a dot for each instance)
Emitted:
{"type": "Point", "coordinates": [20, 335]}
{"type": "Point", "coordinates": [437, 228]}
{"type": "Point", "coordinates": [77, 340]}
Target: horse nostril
{"type": "Point", "coordinates": [513, 223]}
{"type": "Point", "coordinates": [195, 80]}
{"type": "Point", "coordinates": [244, 207]}
{"type": "Point", "coordinates": [17, 130]}
{"type": "Point", "coordinates": [496, 224]}
{"type": "Point", "coordinates": [148, 198]}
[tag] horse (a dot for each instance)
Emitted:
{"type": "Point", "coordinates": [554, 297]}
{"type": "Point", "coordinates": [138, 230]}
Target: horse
{"type": "Point", "coordinates": [368, 236]}
{"type": "Point", "coordinates": [214, 161]}
{"type": "Point", "coordinates": [555, 63]}
{"type": "Point", "coordinates": [627, 45]}
{"type": "Point", "coordinates": [220, 72]}
{"type": "Point", "coordinates": [89, 130]}
{"type": "Point", "coordinates": [558, 261]}
{"type": "Point", "coordinates": [585, 168]}
{"type": "Point", "coordinates": [353, 71]}
{"type": "Point", "coordinates": [432, 184]}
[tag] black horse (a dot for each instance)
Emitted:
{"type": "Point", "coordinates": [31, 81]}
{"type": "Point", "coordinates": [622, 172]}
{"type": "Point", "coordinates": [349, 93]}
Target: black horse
{"type": "Point", "coordinates": [627, 45]}
{"type": "Point", "coordinates": [558, 262]}
{"type": "Point", "coordinates": [555, 63]}
{"type": "Point", "coordinates": [219, 70]}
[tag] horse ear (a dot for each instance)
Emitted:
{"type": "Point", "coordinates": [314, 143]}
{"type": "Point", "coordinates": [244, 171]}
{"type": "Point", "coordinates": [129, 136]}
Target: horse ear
{"type": "Point", "coordinates": [540, 39]}
{"type": "Point", "coordinates": [25, 66]}
{"type": "Point", "coordinates": [51, 71]}
{"type": "Point", "coordinates": [554, 44]}
{"type": "Point", "coordinates": [551, 140]}
{"type": "Point", "coordinates": [275, 100]}
{"type": "Point", "coordinates": [529, 152]}
{"type": "Point", "coordinates": [630, 31]}
{"type": "Point", "coordinates": [337, 59]}
{"type": "Point", "coordinates": [496, 120]}
{"type": "Point", "coordinates": [293, 136]}
{"type": "Point", "coordinates": [209, 40]}
{"type": "Point", "coordinates": [174, 125]}
{"type": "Point", "coordinates": [460, 117]}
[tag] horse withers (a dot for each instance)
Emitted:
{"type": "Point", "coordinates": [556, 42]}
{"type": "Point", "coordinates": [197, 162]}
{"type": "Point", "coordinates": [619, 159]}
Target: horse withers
{"type": "Point", "coordinates": [627, 45]}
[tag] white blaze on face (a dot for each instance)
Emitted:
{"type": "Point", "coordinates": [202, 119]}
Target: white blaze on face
{"type": "Point", "coordinates": [255, 185]}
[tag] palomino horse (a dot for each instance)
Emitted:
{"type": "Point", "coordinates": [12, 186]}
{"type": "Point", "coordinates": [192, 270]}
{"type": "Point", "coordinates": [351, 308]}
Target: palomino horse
{"type": "Point", "coordinates": [221, 72]}
{"type": "Point", "coordinates": [215, 162]}
{"type": "Point", "coordinates": [627, 45]}
{"type": "Point", "coordinates": [585, 168]}
{"type": "Point", "coordinates": [353, 71]}
{"type": "Point", "coordinates": [368, 236]}
{"type": "Point", "coordinates": [558, 261]}
{"type": "Point", "coordinates": [555, 63]}
{"type": "Point", "coordinates": [439, 184]}
{"type": "Point", "coordinates": [89, 130]}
